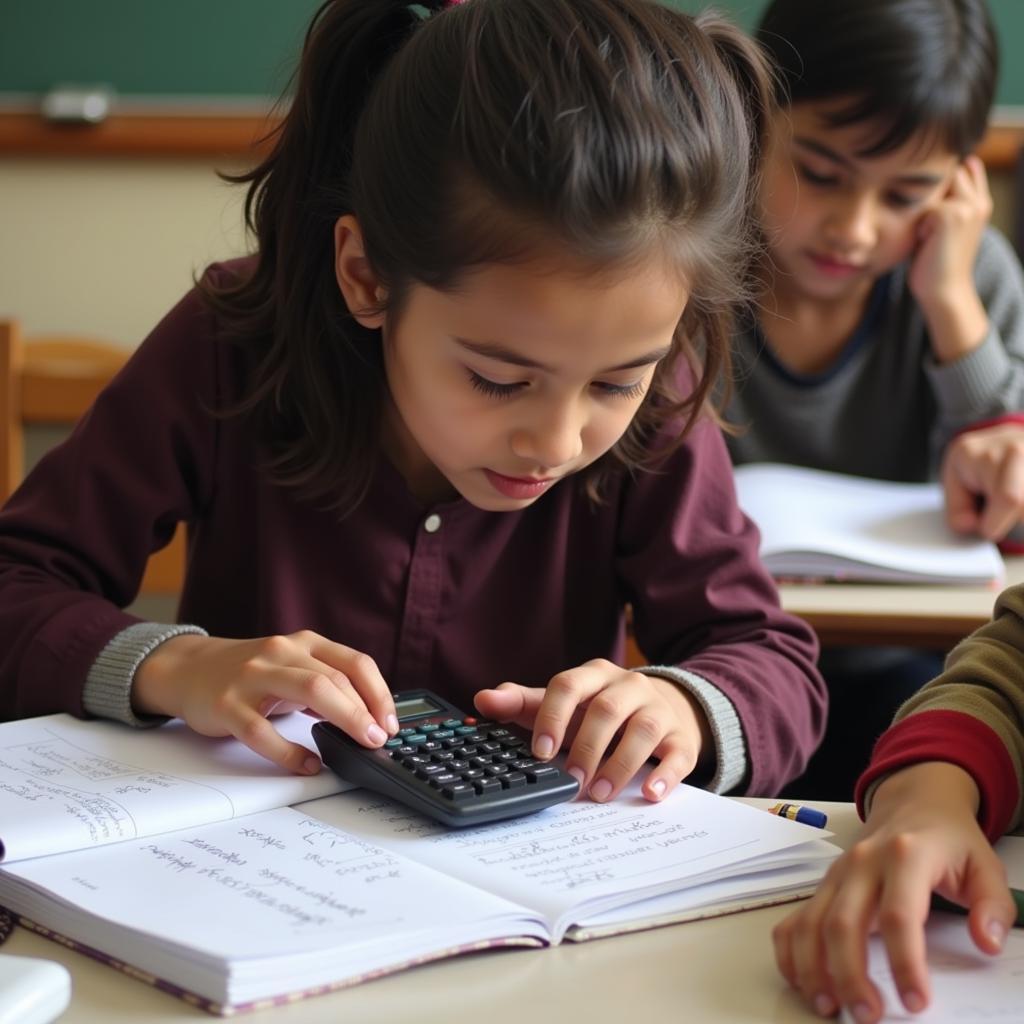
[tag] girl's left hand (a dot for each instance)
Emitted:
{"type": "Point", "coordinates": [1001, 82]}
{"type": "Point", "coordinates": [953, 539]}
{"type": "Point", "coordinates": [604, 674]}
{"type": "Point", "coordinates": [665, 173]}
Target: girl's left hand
{"type": "Point", "coordinates": [949, 236]}
{"type": "Point", "coordinates": [612, 720]}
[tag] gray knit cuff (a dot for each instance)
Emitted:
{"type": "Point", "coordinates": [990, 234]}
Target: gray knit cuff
{"type": "Point", "coordinates": [971, 382]}
{"type": "Point", "coordinates": [108, 687]}
{"type": "Point", "coordinates": [730, 747]}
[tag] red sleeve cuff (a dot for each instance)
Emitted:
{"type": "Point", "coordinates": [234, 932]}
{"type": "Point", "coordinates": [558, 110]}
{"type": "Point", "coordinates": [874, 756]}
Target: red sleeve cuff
{"type": "Point", "coordinates": [994, 421]}
{"type": "Point", "coordinates": [959, 739]}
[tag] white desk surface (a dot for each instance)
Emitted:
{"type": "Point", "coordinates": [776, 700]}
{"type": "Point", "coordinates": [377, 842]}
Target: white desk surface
{"type": "Point", "coordinates": [926, 615]}
{"type": "Point", "coordinates": [718, 971]}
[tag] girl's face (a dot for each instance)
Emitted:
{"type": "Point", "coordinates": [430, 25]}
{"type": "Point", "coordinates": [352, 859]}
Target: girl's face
{"type": "Point", "coordinates": [835, 221]}
{"type": "Point", "coordinates": [522, 376]}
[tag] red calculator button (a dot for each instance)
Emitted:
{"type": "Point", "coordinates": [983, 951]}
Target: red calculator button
{"type": "Point", "coordinates": [469, 721]}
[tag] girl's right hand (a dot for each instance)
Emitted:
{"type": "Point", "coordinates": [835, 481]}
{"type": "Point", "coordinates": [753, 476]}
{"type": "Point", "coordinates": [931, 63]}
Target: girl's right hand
{"type": "Point", "coordinates": [230, 687]}
{"type": "Point", "coordinates": [921, 836]}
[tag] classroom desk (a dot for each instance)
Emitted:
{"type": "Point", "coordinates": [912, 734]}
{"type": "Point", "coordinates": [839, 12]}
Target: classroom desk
{"type": "Point", "coordinates": [933, 616]}
{"type": "Point", "coordinates": [719, 971]}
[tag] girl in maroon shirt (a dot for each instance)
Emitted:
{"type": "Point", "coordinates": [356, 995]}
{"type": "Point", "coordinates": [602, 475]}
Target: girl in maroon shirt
{"type": "Point", "coordinates": [449, 420]}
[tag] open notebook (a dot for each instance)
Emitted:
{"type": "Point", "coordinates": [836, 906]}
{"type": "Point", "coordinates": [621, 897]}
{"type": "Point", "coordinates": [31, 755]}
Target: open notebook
{"type": "Point", "coordinates": [244, 907]}
{"type": "Point", "coordinates": [830, 526]}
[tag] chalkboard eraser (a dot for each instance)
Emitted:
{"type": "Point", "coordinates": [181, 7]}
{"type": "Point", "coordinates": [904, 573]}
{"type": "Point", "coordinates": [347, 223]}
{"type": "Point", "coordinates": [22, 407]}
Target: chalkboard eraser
{"type": "Point", "coordinates": [78, 104]}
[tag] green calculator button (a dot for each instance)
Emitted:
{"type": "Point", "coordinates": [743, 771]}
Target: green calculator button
{"type": "Point", "coordinates": [407, 732]}
{"type": "Point", "coordinates": [416, 739]}
{"type": "Point", "coordinates": [429, 727]}
{"type": "Point", "coordinates": [393, 743]}
{"type": "Point", "coordinates": [451, 723]}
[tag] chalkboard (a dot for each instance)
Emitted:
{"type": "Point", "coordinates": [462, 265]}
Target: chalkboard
{"type": "Point", "coordinates": [244, 49]}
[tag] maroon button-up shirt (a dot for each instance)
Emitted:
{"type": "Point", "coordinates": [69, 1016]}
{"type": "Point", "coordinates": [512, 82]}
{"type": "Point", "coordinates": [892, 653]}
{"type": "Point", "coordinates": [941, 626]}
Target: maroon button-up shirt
{"type": "Point", "coordinates": [449, 597]}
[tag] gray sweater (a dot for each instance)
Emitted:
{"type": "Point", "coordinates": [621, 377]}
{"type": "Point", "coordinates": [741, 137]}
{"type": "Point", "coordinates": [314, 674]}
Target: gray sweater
{"type": "Point", "coordinates": [885, 409]}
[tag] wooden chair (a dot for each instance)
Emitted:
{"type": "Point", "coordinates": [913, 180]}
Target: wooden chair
{"type": "Point", "coordinates": [53, 380]}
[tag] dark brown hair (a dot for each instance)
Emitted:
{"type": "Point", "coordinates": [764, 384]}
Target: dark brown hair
{"type": "Point", "coordinates": [908, 66]}
{"type": "Point", "coordinates": [612, 129]}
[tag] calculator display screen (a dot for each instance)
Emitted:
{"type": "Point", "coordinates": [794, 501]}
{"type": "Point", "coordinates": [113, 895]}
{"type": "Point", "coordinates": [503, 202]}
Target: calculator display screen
{"type": "Point", "coordinates": [416, 706]}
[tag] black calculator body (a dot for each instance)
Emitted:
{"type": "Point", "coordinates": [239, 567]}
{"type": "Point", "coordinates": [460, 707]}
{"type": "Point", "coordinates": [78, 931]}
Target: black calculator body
{"type": "Point", "coordinates": [450, 766]}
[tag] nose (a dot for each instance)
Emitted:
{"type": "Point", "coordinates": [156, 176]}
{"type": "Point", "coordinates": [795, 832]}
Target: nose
{"type": "Point", "coordinates": [852, 223]}
{"type": "Point", "coordinates": [553, 436]}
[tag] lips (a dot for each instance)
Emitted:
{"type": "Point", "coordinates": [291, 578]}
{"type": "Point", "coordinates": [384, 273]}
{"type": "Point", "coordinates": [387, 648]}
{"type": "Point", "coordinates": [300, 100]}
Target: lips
{"type": "Point", "coordinates": [835, 265]}
{"type": "Point", "coordinates": [519, 487]}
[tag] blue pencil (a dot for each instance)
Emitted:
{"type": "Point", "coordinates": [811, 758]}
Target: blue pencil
{"type": "Point", "coordinates": [805, 815]}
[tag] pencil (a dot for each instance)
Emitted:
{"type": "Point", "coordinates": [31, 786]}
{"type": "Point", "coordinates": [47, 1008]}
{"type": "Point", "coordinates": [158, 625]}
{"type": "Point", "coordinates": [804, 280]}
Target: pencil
{"type": "Point", "coordinates": [805, 815]}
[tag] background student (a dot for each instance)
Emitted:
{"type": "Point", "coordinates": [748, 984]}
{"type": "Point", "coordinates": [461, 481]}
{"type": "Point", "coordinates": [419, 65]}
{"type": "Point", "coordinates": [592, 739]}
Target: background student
{"type": "Point", "coordinates": [947, 778]}
{"type": "Point", "coordinates": [891, 315]}
{"type": "Point", "coordinates": [409, 435]}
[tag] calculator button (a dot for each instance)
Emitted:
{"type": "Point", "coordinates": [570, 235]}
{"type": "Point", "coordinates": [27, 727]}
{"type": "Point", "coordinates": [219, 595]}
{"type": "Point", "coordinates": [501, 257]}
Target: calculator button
{"type": "Point", "coordinates": [464, 751]}
{"type": "Point", "coordinates": [425, 771]}
{"type": "Point", "coordinates": [542, 773]}
{"type": "Point", "coordinates": [451, 723]}
{"type": "Point", "coordinates": [513, 742]}
{"type": "Point", "coordinates": [458, 764]}
{"type": "Point", "coordinates": [522, 763]}
{"type": "Point", "coordinates": [444, 734]}
{"type": "Point", "coordinates": [405, 749]}
{"type": "Point", "coordinates": [514, 780]}
{"type": "Point", "coordinates": [443, 779]}
{"type": "Point", "coordinates": [445, 756]}
{"type": "Point", "coordinates": [431, 745]}
{"type": "Point", "coordinates": [393, 744]}
{"type": "Point", "coordinates": [407, 732]}
{"type": "Point", "coordinates": [459, 791]}
{"type": "Point", "coordinates": [496, 769]}
{"type": "Point", "coordinates": [416, 760]}
{"type": "Point", "coordinates": [429, 727]}
{"type": "Point", "coordinates": [479, 762]}
{"type": "Point", "coordinates": [491, 748]}
{"type": "Point", "coordinates": [487, 785]}
{"type": "Point", "coordinates": [469, 720]}
{"type": "Point", "coordinates": [417, 739]}
{"type": "Point", "coordinates": [473, 773]}
{"type": "Point", "coordinates": [499, 733]}
{"type": "Point", "coordinates": [466, 730]}
{"type": "Point", "coordinates": [505, 756]}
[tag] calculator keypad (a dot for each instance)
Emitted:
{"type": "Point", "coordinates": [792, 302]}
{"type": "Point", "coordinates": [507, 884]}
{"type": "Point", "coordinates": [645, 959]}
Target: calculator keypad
{"type": "Point", "coordinates": [468, 758]}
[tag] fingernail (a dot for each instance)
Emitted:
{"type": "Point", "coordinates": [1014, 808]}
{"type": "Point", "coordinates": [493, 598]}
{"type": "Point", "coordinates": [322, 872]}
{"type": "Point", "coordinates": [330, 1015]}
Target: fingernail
{"type": "Point", "coordinates": [658, 788]}
{"type": "Point", "coordinates": [543, 746]}
{"type": "Point", "coordinates": [392, 724]}
{"type": "Point", "coordinates": [601, 790]}
{"type": "Point", "coordinates": [997, 932]}
{"type": "Point", "coordinates": [824, 1005]}
{"type": "Point", "coordinates": [862, 1013]}
{"type": "Point", "coordinates": [376, 735]}
{"type": "Point", "coordinates": [578, 776]}
{"type": "Point", "coordinates": [311, 766]}
{"type": "Point", "coordinates": [913, 1001]}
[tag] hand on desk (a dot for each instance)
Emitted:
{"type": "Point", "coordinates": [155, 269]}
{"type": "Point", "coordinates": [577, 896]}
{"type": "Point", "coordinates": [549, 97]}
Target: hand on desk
{"type": "Point", "coordinates": [612, 720]}
{"type": "Point", "coordinates": [983, 478]}
{"type": "Point", "coordinates": [230, 687]}
{"type": "Point", "coordinates": [921, 836]}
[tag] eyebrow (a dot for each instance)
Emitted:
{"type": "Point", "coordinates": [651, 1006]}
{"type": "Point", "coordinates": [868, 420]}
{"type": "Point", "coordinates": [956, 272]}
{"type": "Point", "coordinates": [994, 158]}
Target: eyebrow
{"type": "Point", "coordinates": [922, 180]}
{"type": "Point", "coordinates": [491, 350]}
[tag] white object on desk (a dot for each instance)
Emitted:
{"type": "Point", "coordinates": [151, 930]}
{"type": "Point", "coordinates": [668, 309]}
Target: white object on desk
{"type": "Point", "coordinates": [833, 526]}
{"type": "Point", "coordinates": [32, 991]}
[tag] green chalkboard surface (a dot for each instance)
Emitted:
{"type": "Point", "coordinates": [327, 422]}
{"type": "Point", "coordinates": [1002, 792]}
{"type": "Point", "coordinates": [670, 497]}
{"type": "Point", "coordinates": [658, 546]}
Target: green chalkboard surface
{"type": "Point", "coordinates": [224, 49]}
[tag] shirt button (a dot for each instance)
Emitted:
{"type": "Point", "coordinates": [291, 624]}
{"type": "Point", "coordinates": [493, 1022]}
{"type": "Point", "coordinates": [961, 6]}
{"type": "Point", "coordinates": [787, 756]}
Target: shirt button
{"type": "Point", "coordinates": [432, 523]}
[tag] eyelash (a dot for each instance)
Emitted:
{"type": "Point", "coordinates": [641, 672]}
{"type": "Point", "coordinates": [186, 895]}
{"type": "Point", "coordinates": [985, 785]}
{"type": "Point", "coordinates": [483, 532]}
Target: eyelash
{"type": "Point", "coordinates": [826, 180]}
{"type": "Point", "coordinates": [495, 390]}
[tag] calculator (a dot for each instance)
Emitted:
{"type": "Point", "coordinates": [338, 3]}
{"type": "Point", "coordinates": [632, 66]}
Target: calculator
{"type": "Point", "coordinates": [453, 767]}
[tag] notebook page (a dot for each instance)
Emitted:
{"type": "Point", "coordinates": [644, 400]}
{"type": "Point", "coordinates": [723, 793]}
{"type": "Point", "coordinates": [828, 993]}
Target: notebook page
{"type": "Point", "coordinates": [67, 784]}
{"type": "Point", "coordinates": [578, 858]}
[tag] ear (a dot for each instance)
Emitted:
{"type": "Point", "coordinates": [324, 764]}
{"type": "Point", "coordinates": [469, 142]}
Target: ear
{"type": "Point", "coordinates": [359, 285]}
